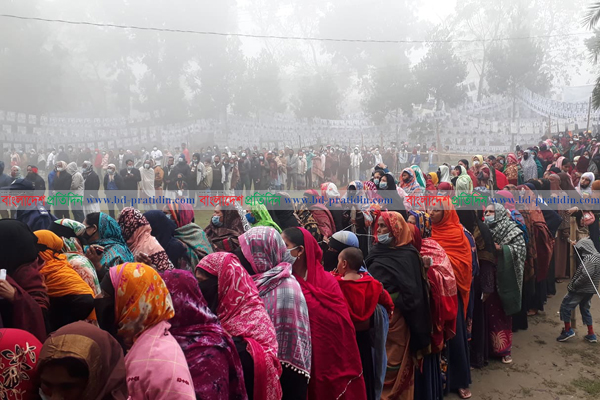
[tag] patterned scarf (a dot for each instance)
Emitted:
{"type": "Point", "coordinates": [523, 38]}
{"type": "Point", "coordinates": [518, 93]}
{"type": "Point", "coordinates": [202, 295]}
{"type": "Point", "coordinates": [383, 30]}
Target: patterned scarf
{"type": "Point", "coordinates": [142, 300]}
{"type": "Point", "coordinates": [412, 187]}
{"type": "Point", "coordinates": [242, 313]}
{"type": "Point", "coordinates": [265, 250]}
{"type": "Point", "coordinates": [138, 235]}
{"type": "Point", "coordinates": [115, 250]}
{"type": "Point", "coordinates": [263, 218]}
{"type": "Point", "coordinates": [208, 349]}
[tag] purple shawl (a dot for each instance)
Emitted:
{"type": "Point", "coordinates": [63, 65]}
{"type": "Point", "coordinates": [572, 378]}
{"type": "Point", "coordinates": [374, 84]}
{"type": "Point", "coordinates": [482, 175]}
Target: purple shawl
{"type": "Point", "coordinates": [265, 250]}
{"type": "Point", "coordinates": [210, 353]}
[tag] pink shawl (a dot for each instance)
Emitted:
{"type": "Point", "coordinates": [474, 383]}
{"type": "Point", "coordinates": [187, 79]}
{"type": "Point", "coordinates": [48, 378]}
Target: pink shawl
{"type": "Point", "coordinates": [147, 374]}
{"type": "Point", "coordinates": [242, 312]}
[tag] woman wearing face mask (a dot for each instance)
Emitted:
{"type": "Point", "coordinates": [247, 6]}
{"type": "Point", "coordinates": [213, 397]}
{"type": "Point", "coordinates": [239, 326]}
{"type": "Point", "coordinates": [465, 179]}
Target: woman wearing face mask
{"type": "Point", "coordinates": [396, 264]}
{"type": "Point", "coordinates": [106, 245]}
{"type": "Point", "coordinates": [391, 193]}
{"type": "Point", "coordinates": [188, 232]}
{"type": "Point", "coordinates": [463, 181]}
{"type": "Point", "coordinates": [224, 228]}
{"type": "Point", "coordinates": [210, 352]}
{"type": "Point", "coordinates": [134, 307]}
{"type": "Point", "coordinates": [113, 181]}
{"type": "Point", "coordinates": [71, 299]}
{"type": "Point", "coordinates": [449, 233]}
{"type": "Point", "coordinates": [334, 374]}
{"type": "Point", "coordinates": [264, 255]}
{"type": "Point", "coordinates": [146, 184]}
{"type": "Point", "coordinates": [62, 183]}
{"type": "Point", "coordinates": [259, 216]}
{"type": "Point", "coordinates": [243, 315]}
{"type": "Point", "coordinates": [506, 300]}
{"type": "Point", "coordinates": [81, 361]}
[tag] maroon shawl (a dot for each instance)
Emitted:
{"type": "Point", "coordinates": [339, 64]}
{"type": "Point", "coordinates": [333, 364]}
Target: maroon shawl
{"type": "Point", "coordinates": [210, 353]}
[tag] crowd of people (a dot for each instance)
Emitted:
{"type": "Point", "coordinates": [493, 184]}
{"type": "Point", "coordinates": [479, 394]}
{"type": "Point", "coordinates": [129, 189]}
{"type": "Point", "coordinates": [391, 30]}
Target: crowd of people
{"type": "Point", "coordinates": [334, 300]}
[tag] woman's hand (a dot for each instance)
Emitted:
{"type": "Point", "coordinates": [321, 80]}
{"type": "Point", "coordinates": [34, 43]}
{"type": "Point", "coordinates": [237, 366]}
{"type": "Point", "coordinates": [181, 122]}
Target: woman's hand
{"type": "Point", "coordinates": [573, 210]}
{"type": "Point", "coordinates": [94, 257]}
{"type": "Point", "coordinates": [498, 247]}
{"type": "Point", "coordinates": [7, 291]}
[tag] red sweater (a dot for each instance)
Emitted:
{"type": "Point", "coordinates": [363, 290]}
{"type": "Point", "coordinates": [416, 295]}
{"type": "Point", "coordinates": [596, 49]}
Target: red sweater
{"type": "Point", "coordinates": [363, 295]}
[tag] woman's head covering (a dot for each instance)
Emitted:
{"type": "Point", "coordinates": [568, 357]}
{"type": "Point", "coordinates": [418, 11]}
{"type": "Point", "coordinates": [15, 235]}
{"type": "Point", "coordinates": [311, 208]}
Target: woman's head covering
{"type": "Point", "coordinates": [231, 227]}
{"type": "Point", "coordinates": [115, 250]}
{"type": "Point", "coordinates": [19, 357]}
{"type": "Point", "coordinates": [141, 300]}
{"type": "Point", "coordinates": [163, 229]}
{"type": "Point", "coordinates": [411, 187]}
{"type": "Point", "coordinates": [98, 351]}
{"type": "Point", "coordinates": [182, 214]}
{"type": "Point", "coordinates": [419, 176]}
{"type": "Point", "coordinates": [266, 252]}
{"type": "Point", "coordinates": [263, 218]}
{"type": "Point", "coordinates": [423, 223]}
{"type": "Point", "coordinates": [582, 164]}
{"type": "Point", "coordinates": [566, 183]}
{"type": "Point", "coordinates": [59, 277]}
{"type": "Point", "coordinates": [444, 173]}
{"type": "Point", "coordinates": [511, 159]}
{"type": "Point", "coordinates": [330, 191]}
{"type": "Point", "coordinates": [19, 245]}
{"type": "Point", "coordinates": [137, 233]}
{"type": "Point", "coordinates": [242, 313]}
{"type": "Point", "coordinates": [450, 235]}
{"type": "Point", "coordinates": [463, 182]}
{"type": "Point", "coordinates": [68, 230]}
{"type": "Point", "coordinates": [510, 199]}
{"type": "Point", "coordinates": [209, 351]}
{"type": "Point", "coordinates": [398, 227]}
{"type": "Point", "coordinates": [434, 178]}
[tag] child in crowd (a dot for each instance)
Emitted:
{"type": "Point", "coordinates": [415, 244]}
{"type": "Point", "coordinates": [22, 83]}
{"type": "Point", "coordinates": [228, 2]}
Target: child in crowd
{"type": "Point", "coordinates": [362, 293]}
{"type": "Point", "coordinates": [581, 289]}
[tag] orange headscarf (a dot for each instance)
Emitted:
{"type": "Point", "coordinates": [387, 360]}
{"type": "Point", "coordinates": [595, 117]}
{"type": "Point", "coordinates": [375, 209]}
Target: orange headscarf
{"type": "Point", "coordinates": [142, 300]}
{"type": "Point", "coordinates": [399, 229]}
{"type": "Point", "coordinates": [450, 235]}
{"type": "Point", "coordinates": [59, 277]}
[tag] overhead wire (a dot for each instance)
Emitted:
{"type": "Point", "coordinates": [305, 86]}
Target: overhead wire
{"type": "Point", "coordinates": [302, 38]}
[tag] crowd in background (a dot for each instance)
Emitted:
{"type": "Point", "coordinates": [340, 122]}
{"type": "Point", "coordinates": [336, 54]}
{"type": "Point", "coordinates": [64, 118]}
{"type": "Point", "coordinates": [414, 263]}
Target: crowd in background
{"type": "Point", "coordinates": [334, 300]}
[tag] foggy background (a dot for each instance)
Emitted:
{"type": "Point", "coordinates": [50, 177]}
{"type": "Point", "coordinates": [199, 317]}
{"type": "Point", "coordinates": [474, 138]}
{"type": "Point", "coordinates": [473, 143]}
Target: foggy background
{"type": "Point", "coordinates": [453, 53]}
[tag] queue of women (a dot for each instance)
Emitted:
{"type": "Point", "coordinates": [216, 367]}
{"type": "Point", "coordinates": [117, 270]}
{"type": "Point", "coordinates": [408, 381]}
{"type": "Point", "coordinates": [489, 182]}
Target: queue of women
{"type": "Point", "coordinates": [339, 302]}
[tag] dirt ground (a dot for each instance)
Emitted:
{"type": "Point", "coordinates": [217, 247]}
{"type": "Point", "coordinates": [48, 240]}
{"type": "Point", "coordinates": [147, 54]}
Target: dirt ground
{"type": "Point", "coordinates": [542, 367]}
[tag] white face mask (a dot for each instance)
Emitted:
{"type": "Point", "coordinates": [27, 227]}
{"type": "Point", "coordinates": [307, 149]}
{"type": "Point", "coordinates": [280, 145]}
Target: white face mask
{"type": "Point", "coordinates": [147, 166]}
{"type": "Point", "coordinates": [489, 219]}
{"type": "Point", "coordinates": [476, 163]}
{"type": "Point", "coordinates": [155, 148]}
{"type": "Point", "coordinates": [180, 159]}
{"type": "Point", "coordinates": [59, 169]}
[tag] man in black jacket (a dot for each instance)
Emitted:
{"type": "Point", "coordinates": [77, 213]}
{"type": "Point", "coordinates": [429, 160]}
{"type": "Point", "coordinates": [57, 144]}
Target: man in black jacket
{"type": "Point", "coordinates": [131, 178]}
{"type": "Point", "coordinates": [91, 186]}
{"type": "Point", "coordinates": [113, 182]}
{"type": "Point", "coordinates": [62, 184]}
{"type": "Point", "coordinates": [244, 166]}
{"type": "Point", "coordinates": [39, 185]}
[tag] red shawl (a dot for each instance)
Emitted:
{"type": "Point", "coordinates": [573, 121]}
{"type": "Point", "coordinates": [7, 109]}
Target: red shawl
{"type": "Point", "coordinates": [444, 303]}
{"type": "Point", "coordinates": [242, 313]}
{"type": "Point", "coordinates": [336, 369]}
{"type": "Point", "coordinates": [450, 235]}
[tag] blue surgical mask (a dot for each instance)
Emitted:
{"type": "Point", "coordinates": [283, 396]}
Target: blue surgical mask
{"type": "Point", "coordinates": [250, 218]}
{"type": "Point", "coordinates": [216, 220]}
{"type": "Point", "coordinates": [376, 181]}
{"type": "Point", "coordinates": [383, 185]}
{"type": "Point", "coordinates": [489, 219]}
{"type": "Point", "coordinates": [384, 238]}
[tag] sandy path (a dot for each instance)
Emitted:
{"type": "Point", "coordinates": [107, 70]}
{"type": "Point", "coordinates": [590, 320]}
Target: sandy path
{"type": "Point", "coordinates": [544, 368]}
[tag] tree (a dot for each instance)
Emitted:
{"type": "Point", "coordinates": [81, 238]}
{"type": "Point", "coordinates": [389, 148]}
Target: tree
{"type": "Point", "coordinates": [259, 89]}
{"type": "Point", "coordinates": [318, 97]}
{"type": "Point", "coordinates": [517, 62]}
{"type": "Point", "coordinates": [593, 45]}
{"type": "Point", "coordinates": [388, 89]}
{"type": "Point", "coordinates": [440, 74]}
